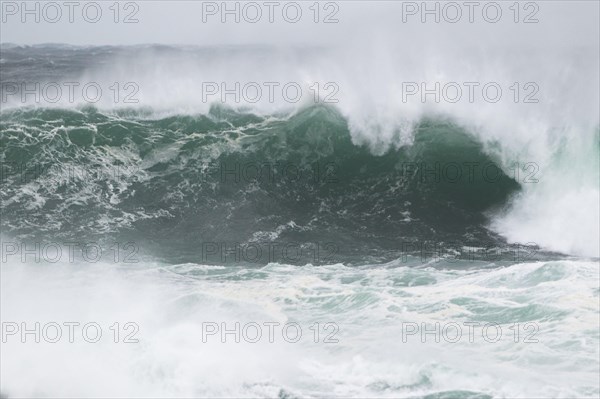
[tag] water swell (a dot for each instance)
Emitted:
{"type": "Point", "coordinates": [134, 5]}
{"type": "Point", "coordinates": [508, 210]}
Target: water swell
{"type": "Point", "coordinates": [230, 176]}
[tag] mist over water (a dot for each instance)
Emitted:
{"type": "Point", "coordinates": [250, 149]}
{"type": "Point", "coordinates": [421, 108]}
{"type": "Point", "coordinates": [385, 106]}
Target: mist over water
{"type": "Point", "coordinates": [302, 175]}
{"type": "Point", "coordinates": [374, 356]}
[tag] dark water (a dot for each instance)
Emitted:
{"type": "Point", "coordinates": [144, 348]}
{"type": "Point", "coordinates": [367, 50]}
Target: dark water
{"type": "Point", "coordinates": [180, 182]}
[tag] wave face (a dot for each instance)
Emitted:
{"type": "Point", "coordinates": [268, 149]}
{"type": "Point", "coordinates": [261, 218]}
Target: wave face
{"type": "Point", "coordinates": [237, 177]}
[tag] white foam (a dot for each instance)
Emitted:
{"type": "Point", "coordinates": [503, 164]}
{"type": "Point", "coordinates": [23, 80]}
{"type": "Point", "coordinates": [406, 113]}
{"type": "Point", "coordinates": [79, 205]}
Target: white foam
{"type": "Point", "coordinates": [367, 304]}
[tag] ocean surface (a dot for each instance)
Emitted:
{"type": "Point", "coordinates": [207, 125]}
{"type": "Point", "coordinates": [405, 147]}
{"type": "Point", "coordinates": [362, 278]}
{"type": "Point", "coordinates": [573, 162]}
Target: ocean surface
{"type": "Point", "coordinates": [363, 247]}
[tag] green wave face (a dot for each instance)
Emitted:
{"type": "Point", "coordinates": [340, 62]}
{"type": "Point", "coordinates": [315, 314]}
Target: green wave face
{"type": "Point", "coordinates": [235, 177]}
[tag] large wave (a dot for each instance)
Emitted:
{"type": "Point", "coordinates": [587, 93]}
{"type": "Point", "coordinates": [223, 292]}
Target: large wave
{"type": "Point", "coordinates": [229, 176]}
{"type": "Point", "coordinates": [550, 148]}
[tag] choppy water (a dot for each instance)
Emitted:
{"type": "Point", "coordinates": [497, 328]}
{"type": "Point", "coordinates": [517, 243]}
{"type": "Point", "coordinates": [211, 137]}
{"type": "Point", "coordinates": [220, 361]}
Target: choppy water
{"type": "Point", "coordinates": [423, 283]}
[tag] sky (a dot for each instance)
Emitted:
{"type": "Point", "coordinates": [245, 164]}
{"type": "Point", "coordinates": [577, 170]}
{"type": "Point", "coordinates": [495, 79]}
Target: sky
{"type": "Point", "coordinates": [541, 23]}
